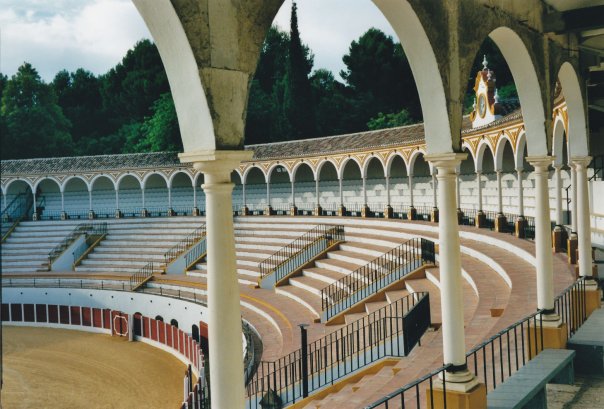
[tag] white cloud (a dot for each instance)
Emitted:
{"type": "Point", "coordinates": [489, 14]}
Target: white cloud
{"type": "Point", "coordinates": [68, 35]}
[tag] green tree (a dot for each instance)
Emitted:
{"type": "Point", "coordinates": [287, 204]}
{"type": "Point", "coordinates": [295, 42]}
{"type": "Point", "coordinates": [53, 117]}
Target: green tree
{"type": "Point", "coordinates": [335, 108]}
{"type": "Point", "coordinates": [298, 104]}
{"type": "Point", "coordinates": [33, 123]}
{"type": "Point", "coordinates": [382, 121]}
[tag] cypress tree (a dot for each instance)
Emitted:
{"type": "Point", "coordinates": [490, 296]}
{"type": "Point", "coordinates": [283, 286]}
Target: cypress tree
{"type": "Point", "coordinates": [297, 96]}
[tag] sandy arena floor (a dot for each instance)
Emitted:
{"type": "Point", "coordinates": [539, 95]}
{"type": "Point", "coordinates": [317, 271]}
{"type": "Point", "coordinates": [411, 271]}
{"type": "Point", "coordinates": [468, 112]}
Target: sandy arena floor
{"type": "Point", "coordinates": [57, 368]}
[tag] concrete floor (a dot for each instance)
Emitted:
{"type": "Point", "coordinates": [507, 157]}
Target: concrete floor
{"type": "Point", "coordinates": [586, 393]}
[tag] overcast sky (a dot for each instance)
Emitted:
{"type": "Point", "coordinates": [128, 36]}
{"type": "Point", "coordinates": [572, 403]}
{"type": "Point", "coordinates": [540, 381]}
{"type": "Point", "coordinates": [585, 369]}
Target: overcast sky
{"type": "Point", "coordinates": [95, 34]}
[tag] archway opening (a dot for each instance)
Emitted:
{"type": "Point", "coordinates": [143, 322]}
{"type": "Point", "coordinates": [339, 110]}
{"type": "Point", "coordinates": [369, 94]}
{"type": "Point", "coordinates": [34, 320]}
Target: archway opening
{"type": "Point", "coordinates": [157, 199]}
{"type": "Point", "coordinates": [48, 199]}
{"type": "Point", "coordinates": [77, 201]}
{"type": "Point", "coordinates": [280, 189]}
{"type": "Point", "coordinates": [103, 197]}
{"type": "Point", "coordinates": [399, 184]}
{"type": "Point", "coordinates": [255, 190]}
{"type": "Point", "coordinates": [329, 187]}
{"type": "Point", "coordinates": [352, 186]}
{"type": "Point", "coordinates": [182, 194]}
{"type": "Point", "coordinates": [17, 200]}
{"type": "Point", "coordinates": [304, 189]}
{"type": "Point", "coordinates": [130, 196]}
{"type": "Point", "coordinates": [375, 185]}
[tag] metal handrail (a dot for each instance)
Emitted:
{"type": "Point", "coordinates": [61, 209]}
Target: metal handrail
{"type": "Point", "coordinates": [332, 233]}
{"type": "Point", "coordinates": [348, 288]}
{"type": "Point", "coordinates": [184, 244]}
{"type": "Point", "coordinates": [84, 228]}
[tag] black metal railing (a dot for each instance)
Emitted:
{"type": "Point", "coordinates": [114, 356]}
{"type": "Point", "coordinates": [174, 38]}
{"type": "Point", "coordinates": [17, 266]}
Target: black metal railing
{"type": "Point", "coordinates": [96, 229]}
{"type": "Point", "coordinates": [496, 359]}
{"type": "Point", "coordinates": [196, 252]}
{"type": "Point", "coordinates": [138, 278]}
{"type": "Point", "coordinates": [299, 251]}
{"type": "Point", "coordinates": [342, 352]}
{"type": "Point", "coordinates": [468, 217]}
{"type": "Point", "coordinates": [184, 244]}
{"type": "Point", "coordinates": [375, 276]}
{"type": "Point", "coordinates": [597, 164]}
{"type": "Point", "coordinates": [16, 211]}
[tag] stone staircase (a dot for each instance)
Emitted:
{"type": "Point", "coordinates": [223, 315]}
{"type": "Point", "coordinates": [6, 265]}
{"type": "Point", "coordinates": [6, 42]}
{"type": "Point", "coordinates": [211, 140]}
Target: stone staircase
{"type": "Point", "coordinates": [131, 244]}
{"type": "Point", "coordinates": [26, 249]}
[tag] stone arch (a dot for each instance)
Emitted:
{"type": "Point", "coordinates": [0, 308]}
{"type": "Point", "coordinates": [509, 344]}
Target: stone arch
{"type": "Point", "coordinates": [192, 110]}
{"type": "Point", "coordinates": [298, 165]}
{"type": "Point", "coordinates": [345, 162]}
{"type": "Point", "coordinates": [426, 72]}
{"type": "Point", "coordinates": [466, 146]}
{"type": "Point", "coordinates": [523, 71]}
{"type": "Point", "coordinates": [274, 166]}
{"type": "Point", "coordinates": [39, 181]}
{"type": "Point", "coordinates": [69, 178]}
{"type": "Point", "coordinates": [179, 172]}
{"type": "Point", "coordinates": [559, 136]}
{"type": "Point", "coordinates": [520, 149]}
{"type": "Point", "coordinates": [480, 156]}
{"type": "Point", "coordinates": [372, 159]}
{"type": "Point", "coordinates": [10, 182]}
{"type": "Point", "coordinates": [577, 128]}
{"type": "Point", "coordinates": [503, 142]}
{"type": "Point", "coordinates": [322, 163]}
{"type": "Point", "coordinates": [102, 176]}
{"type": "Point", "coordinates": [391, 159]}
{"type": "Point", "coordinates": [249, 169]}
{"type": "Point", "coordinates": [150, 174]}
{"type": "Point", "coordinates": [413, 159]}
{"type": "Point", "coordinates": [119, 180]}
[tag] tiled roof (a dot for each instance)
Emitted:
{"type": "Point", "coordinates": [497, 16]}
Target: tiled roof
{"type": "Point", "coordinates": [383, 138]}
{"type": "Point", "coordinates": [516, 115]}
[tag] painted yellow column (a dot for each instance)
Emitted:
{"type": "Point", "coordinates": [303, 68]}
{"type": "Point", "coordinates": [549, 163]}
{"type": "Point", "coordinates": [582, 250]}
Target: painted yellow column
{"type": "Point", "coordinates": [224, 320]}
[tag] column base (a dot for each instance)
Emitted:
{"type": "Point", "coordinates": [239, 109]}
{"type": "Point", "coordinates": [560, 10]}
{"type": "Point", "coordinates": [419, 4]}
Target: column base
{"type": "Point", "coordinates": [558, 239]}
{"type": "Point", "coordinates": [342, 211]}
{"type": "Point", "coordinates": [171, 212]}
{"type": "Point", "coordinates": [268, 211]}
{"type": "Point", "coordinates": [460, 215]}
{"type": "Point", "coordinates": [473, 397]}
{"type": "Point", "coordinates": [318, 211]}
{"type": "Point", "coordinates": [119, 214]}
{"type": "Point", "coordinates": [572, 247]}
{"type": "Point", "coordinates": [388, 212]}
{"type": "Point", "coordinates": [481, 219]}
{"type": "Point", "coordinates": [412, 214]}
{"type": "Point", "coordinates": [35, 216]}
{"type": "Point", "coordinates": [434, 215]}
{"type": "Point", "coordinates": [195, 211]}
{"type": "Point", "coordinates": [64, 216]}
{"type": "Point", "coordinates": [245, 211]}
{"type": "Point", "coordinates": [91, 215]}
{"type": "Point", "coordinates": [501, 223]}
{"type": "Point", "coordinates": [293, 211]}
{"type": "Point", "coordinates": [520, 227]}
{"type": "Point", "coordinates": [555, 335]}
{"type": "Point", "coordinates": [144, 213]}
{"type": "Point", "coordinates": [365, 211]}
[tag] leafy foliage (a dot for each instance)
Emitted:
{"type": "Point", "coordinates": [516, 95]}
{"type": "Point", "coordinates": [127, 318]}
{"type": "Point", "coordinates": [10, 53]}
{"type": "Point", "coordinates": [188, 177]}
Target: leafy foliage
{"type": "Point", "coordinates": [382, 121]}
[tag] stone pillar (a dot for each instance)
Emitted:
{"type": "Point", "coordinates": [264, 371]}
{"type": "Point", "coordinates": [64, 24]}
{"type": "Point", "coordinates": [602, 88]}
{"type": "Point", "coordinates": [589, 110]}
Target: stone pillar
{"type": "Point", "coordinates": [341, 209]}
{"type": "Point", "coordinates": [458, 378]}
{"type": "Point", "coordinates": [293, 210]}
{"type": "Point", "coordinates": [480, 216]}
{"type": "Point", "coordinates": [520, 222]}
{"type": "Point", "coordinates": [434, 213]}
{"type": "Point", "coordinates": [543, 243]}
{"type": "Point", "coordinates": [224, 312]}
{"type": "Point", "coordinates": [196, 211]}
{"type": "Point", "coordinates": [558, 233]}
{"type": "Point", "coordinates": [118, 212]}
{"type": "Point", "coordinates": [388, 212]}
{"type": "Point", "coordinates": [91, 214]}
{"type": "Point", "coordinates": [35, 215]}
{"type": "Point", "coordinates": [364, 190]}
{"type": "Point", "coordinates": [170, 210]}
{"type": "Point", "coordinates": [318, 209]}
{"type": "Point", "coordinates": [410, 190]}
{"type": "Point", "coordinates": [269, 210]}
{"type": "Point", "coordinates": [500, 219]}
{"type": "Point", "coordinates": [573, 199]}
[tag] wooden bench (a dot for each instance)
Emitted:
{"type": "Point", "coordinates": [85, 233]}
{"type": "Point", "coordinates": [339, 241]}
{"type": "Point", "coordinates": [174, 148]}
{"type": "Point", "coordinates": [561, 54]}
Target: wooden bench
{"type": "Point", "coordinates": [526, 388]}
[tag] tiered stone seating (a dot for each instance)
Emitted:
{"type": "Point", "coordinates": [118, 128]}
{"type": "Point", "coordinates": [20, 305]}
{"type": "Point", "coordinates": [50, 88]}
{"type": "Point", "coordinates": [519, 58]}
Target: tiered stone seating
{"type": "Point", "coordinates": [131, 244]}
{"type": "Point", "coordinates": [26, 249]}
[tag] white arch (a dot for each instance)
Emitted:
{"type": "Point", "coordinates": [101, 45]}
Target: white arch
{"type": "Point", "coordinates": [274, 166]}
{"type": "Point", "coordinates": [390, 159]}
{"type": "Point", "coordinates": [298, 166]}
{"type": "Point", "coordinates": [194, 118]}
{"type": "Point", "coordinates": [173, 175]}
{"type": "Point", "coordinates": [47, 178]}
{"type": "Point", "coordinates": [97, 177]}
{"type": "Point", "coordinates": [249, 169]}
{"type": "Point", "coordinates": [413, 158]}
{"type": "Point", "coordinates": [480, 149]}
{"type": "Point", "coordinates": [10, 182]}
{"type": "Point", "coordinates": [529, 91]}
{"type": "Point", "coordinates": [148, 175]}
{"type": "Point", "coordinates": [500, 148]}
{"type": "Point", "coordinates": [64, 185]}
{"type": "Point", "coordinates": [520, 144]}
{"type": "Point", "coordinates": [122, 176]}
{"type": "Point", "coordinates": [558, 141]}
{"type": "Point", "coordinates": [368, 159]}
{"type": "Point", "coordinates": [322, 163]}
{"type": "Point", "coordinates": [465, 145]}
{"type": "Point", "coordinates": [426, 73]}
{"type": "Point", "coordinates": [575, 109]}
{"type": "Point", "coordinates": [343, 166]}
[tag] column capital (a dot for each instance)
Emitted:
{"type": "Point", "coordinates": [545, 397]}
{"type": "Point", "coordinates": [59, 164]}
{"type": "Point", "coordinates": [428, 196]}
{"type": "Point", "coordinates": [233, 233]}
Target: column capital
{"type": "Point", "coordinates": [213, 162]}
{"type": "Point", "coordinates": [519, 170]}
{"type": "Point", "coordinates": [582, 161]}
{"type": "Point", "coordinates": [446, 161]}
{"type": "Point", "coordinates": [541, 163]}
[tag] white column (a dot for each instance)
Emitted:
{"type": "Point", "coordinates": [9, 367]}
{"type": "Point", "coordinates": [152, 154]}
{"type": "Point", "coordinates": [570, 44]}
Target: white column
{"type": "Point", "coordinates": [341, 193]}
{"type": "Point", "coordinates": [411, 189]}
{"type": "Point", "coordinates": [89, 199]}
{"type": "Point", "coordinates": [317, 191]}
{"type": "Point", "coordinates": [293, 193]}
{"type": "Point", "coordinates": [194, 196]}
{"type": "Point", "coordinates": [583, 224]}
{"type": "Point", "coordinates": [62, 201]}
{"type": "Point", "coordinates": [558, 177]}
{"type": "Point", "coordinates": [520, 193]}
{"type": "Point", "coordinates": [224, 312]}
{"type": "Point", "coordinates": [243, 193]}
{"type": "Point", "coordinates": [364, 190]}
{"type": "Point", "coordinates": [543, 237]}
{"type": "Point", "coordinates": [458, 189]}
{"type": "Point", "coordinates": [499, 193]}
{"type": "Point", "coordinates": [454, 351]}
{"type": "Point", "coordinates": [388, 190]}
{"type": "Point", "coordinates": [143, 197]}
{"type": "Point", "coordinates": [3, 201]}
{"type": "Point", "coordinates": [479, 190]}
{"type": "Point", "coordinates": [573, 198]}
{"type": "Point", "coordinates": [117, 199]}
{"type": "Point", "coordinates": [169, 197]}
{"type": "Point", "coordinates": [268, 193]}
{"type": "Point", "coordinates": [434, 192]}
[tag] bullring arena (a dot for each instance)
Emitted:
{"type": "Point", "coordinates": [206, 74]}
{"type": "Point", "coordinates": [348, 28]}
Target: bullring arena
{"type": "Point", "coordinates": [372, 269]}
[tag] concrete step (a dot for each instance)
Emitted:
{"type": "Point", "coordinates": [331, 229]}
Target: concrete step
{"type": "Point", "coordinates": [309, 284]}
